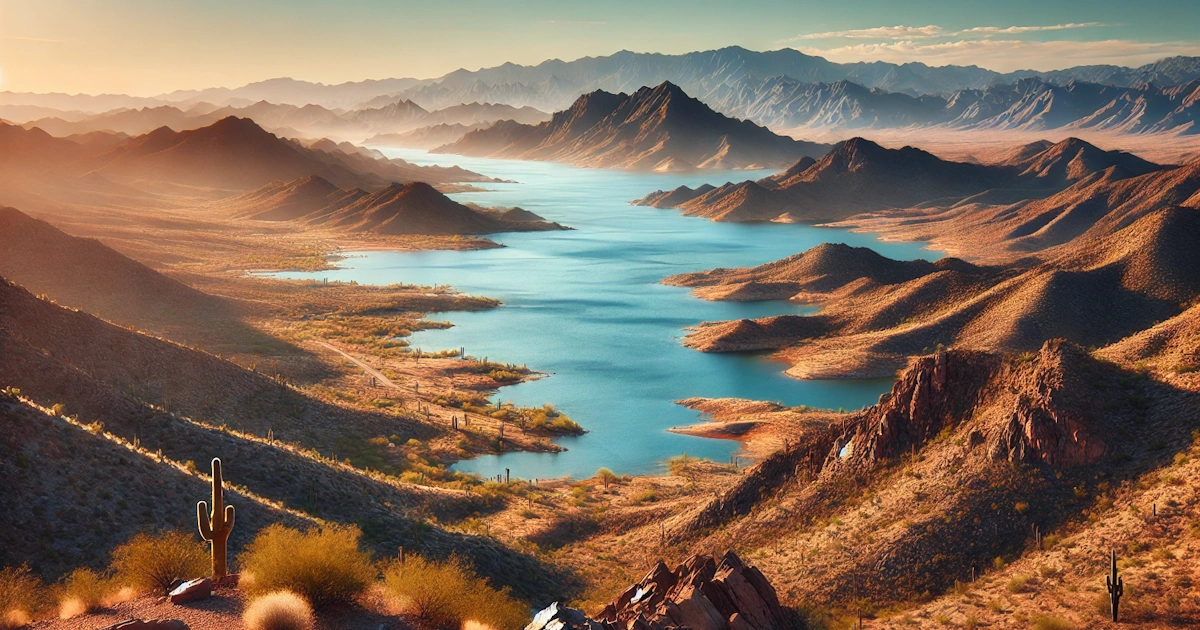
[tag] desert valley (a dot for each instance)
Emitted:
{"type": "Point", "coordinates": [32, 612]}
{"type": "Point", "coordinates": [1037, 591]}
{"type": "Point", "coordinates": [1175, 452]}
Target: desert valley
{"type": "Point", "coordinates": [712, 340]}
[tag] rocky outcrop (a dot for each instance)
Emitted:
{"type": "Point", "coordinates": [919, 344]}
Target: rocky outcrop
{"type": "Point", "coordinates": [700, 594]}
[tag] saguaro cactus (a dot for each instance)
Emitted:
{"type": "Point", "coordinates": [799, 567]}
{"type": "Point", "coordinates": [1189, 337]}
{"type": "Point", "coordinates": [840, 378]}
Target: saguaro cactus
{"type": "Point", "coordinates": [1115, 585]}
{"type": "Point", "coordinates": [215, 525]}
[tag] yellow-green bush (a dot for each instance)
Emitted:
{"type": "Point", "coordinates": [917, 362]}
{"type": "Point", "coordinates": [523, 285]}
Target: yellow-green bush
{"type": "Point", "coordinates": [325, 566]}
{"type": "Point", "coordinates": [153, 562]}
{"type": "Point", "coordinates": [22, 596]}
{"type": "Point", "coordinates": [446, 594]}
{"type": "Point", "coordinates": [82, 592]}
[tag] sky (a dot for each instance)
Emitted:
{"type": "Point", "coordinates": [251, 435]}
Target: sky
{"type": "Point", "coordinates": [149, 47]}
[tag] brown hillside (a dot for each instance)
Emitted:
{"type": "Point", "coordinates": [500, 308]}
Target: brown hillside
{"type": "Point", "coordinates": [986, 445]}
{"type": "Point", "coordinates": [1091, 209]}
{"type": "Point", "coordinates": [1097, 295]}
{"type": "Point", "coordinates": [86, 274]}
{"type": "Point", "coordinates": [415, 208]}
{"type": "Point", "coordinates": [820, 270]}
{"type": "Point", "coordinates": [859, 176]}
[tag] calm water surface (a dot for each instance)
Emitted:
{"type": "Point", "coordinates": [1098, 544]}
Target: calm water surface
{"type": "Point", "coordinates": [585, 307]}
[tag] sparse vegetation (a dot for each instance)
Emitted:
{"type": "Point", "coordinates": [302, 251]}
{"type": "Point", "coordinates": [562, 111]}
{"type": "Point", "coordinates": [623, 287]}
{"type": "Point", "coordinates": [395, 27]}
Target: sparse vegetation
{"type": "Point", "coordinates": [325, 565]}
{"type": "Point", "coordinates": [153, 562]}
{"type": "Point", "coordinates": [82, 592]}
{"type": "Point", "coordinates": [447, 594]}
{"type": "Point", "coordinates": [22, 596]}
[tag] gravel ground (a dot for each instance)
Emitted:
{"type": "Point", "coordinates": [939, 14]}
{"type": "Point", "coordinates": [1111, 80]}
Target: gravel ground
{"type": "Point", "coordinates": [222, 611]}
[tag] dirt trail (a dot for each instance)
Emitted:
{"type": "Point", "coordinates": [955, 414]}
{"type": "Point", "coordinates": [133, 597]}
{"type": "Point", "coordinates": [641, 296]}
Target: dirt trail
{"type": "Point", "coordinates": [372, 372]}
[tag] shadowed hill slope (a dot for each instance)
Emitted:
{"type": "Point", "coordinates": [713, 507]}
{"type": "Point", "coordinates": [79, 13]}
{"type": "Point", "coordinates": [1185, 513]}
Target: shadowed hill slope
{"type": "Point", "coordinates": [77, 493]}
{"type": "Point", "coordinates": [85, 274]}
{"type": "Point", "coordinates": [268, 434]}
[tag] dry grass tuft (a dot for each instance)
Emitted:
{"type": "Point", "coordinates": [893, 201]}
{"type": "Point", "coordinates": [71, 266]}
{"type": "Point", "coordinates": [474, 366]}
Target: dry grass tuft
{"type": "Point", "coordinates": [83, 591]}
{"type": "Point", "coordinates": [448, 595]}
{"type": "Point", "coordinates": [325, 566]}
{"type": "Point", "coordinates": [281, 610]}
{"type": "Point", "coordinates": [21, 596]}
{"type": "Point", "coordinates": [152, 562]}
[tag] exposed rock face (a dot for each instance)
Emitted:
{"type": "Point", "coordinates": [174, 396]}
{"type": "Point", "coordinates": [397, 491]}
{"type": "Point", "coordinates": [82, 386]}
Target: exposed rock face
{"type": "Point", "coordinates": [1036, 416]}
{"type": "Point", "coordinates": [700, 594]}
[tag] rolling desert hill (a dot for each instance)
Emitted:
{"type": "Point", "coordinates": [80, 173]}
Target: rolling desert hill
{"type": "Point", "coordinates": [1092, 208]}
{"type": "Point", "coordinates": [659, 128]}
{"type": "Point", "coordinates": [85, 274]}
{"type": "Point", "coordinates": [816, 272]}
{"type": "Point", "coordinates": [858, 176]}
{"type": "Point", "coordinates": [396, 209]}
{"type": "Point", "coordinates": [1096, 294]}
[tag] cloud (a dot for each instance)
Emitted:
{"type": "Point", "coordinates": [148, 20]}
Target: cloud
{"type": "Point", "coordinates": [932, 30]}
{"type": "Point", "coordinates": [1006, 55]}
{"type": "Point", "coordinates": [878, 32]}
{"type": "Point", "coordinates": [1009, 30]}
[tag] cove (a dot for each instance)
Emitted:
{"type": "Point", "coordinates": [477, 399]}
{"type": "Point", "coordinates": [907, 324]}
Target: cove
{"type": "Point", "coordinates": [585, 307]}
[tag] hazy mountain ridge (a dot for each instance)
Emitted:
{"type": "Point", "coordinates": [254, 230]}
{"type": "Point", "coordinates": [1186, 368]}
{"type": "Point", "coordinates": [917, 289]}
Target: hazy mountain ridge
{"type": "Point", "coordinates": [397, 116]}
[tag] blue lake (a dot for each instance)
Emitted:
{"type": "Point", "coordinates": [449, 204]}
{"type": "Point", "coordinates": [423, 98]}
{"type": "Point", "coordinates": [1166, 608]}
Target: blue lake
{"type": "Point", "coordinates": [585, 307]}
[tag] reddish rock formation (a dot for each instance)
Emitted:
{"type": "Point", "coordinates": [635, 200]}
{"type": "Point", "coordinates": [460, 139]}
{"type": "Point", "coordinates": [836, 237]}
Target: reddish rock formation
{"type": "Point", "coordinates": [700, 594]}
{"type": "Point", "coordinates": [192, 591]}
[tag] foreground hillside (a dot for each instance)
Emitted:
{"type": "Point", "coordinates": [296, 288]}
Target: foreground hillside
{"type": "Point", "coordinates": [659, 128]}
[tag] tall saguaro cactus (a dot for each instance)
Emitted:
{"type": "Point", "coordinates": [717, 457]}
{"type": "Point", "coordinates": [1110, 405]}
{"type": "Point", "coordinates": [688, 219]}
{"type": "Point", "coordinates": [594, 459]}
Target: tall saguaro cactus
{"type": "Point", "coordinates": [1115, 585]}
{"type": "Point", "coordinates": [216, 525]}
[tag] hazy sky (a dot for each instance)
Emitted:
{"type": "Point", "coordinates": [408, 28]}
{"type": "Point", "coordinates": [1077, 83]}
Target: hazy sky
{"type": "Point", "coordinates": [147, 47]}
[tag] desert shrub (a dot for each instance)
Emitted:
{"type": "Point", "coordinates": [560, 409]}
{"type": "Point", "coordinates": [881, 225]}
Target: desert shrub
{"type": "Point", "coordinates": [1047, 622]}
{"type": "Point", "coordinates": [22, 596]}
{"type": "Point", "coordinates": [678, 465]}
{"type": "Point", "coordinates": [82, 592]}
{"type": "Point", "coordinates": [447, 594]}
{"type": "Point", "coordinates": [1019, 583]}
{"type": "Point", "coordinates": [149, 562]}
{"type": "Point", "coordinates": [325, 566]}
{"type": "Point", "coordinates": [280, 610]}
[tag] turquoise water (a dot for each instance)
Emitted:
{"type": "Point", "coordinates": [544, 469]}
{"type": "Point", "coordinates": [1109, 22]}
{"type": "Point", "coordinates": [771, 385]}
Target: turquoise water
{"type": "Point", "coordinates": [585, 307]}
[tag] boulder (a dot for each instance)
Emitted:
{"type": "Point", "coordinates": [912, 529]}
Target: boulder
{"type": "Point", "coordinates": [192, 591]}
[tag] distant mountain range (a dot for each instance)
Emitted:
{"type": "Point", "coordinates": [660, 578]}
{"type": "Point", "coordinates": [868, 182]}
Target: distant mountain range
{"type": "Point", "coordinates": [1028, 104]}
{"type": "Point", "coordinates": [288, 120]}
{"type": "Point", "coordinates": [782, 89]}
{"type": "Point", "coordinates": [659, 128]}
{"type": "Point", "coordinates": [554, 84]}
